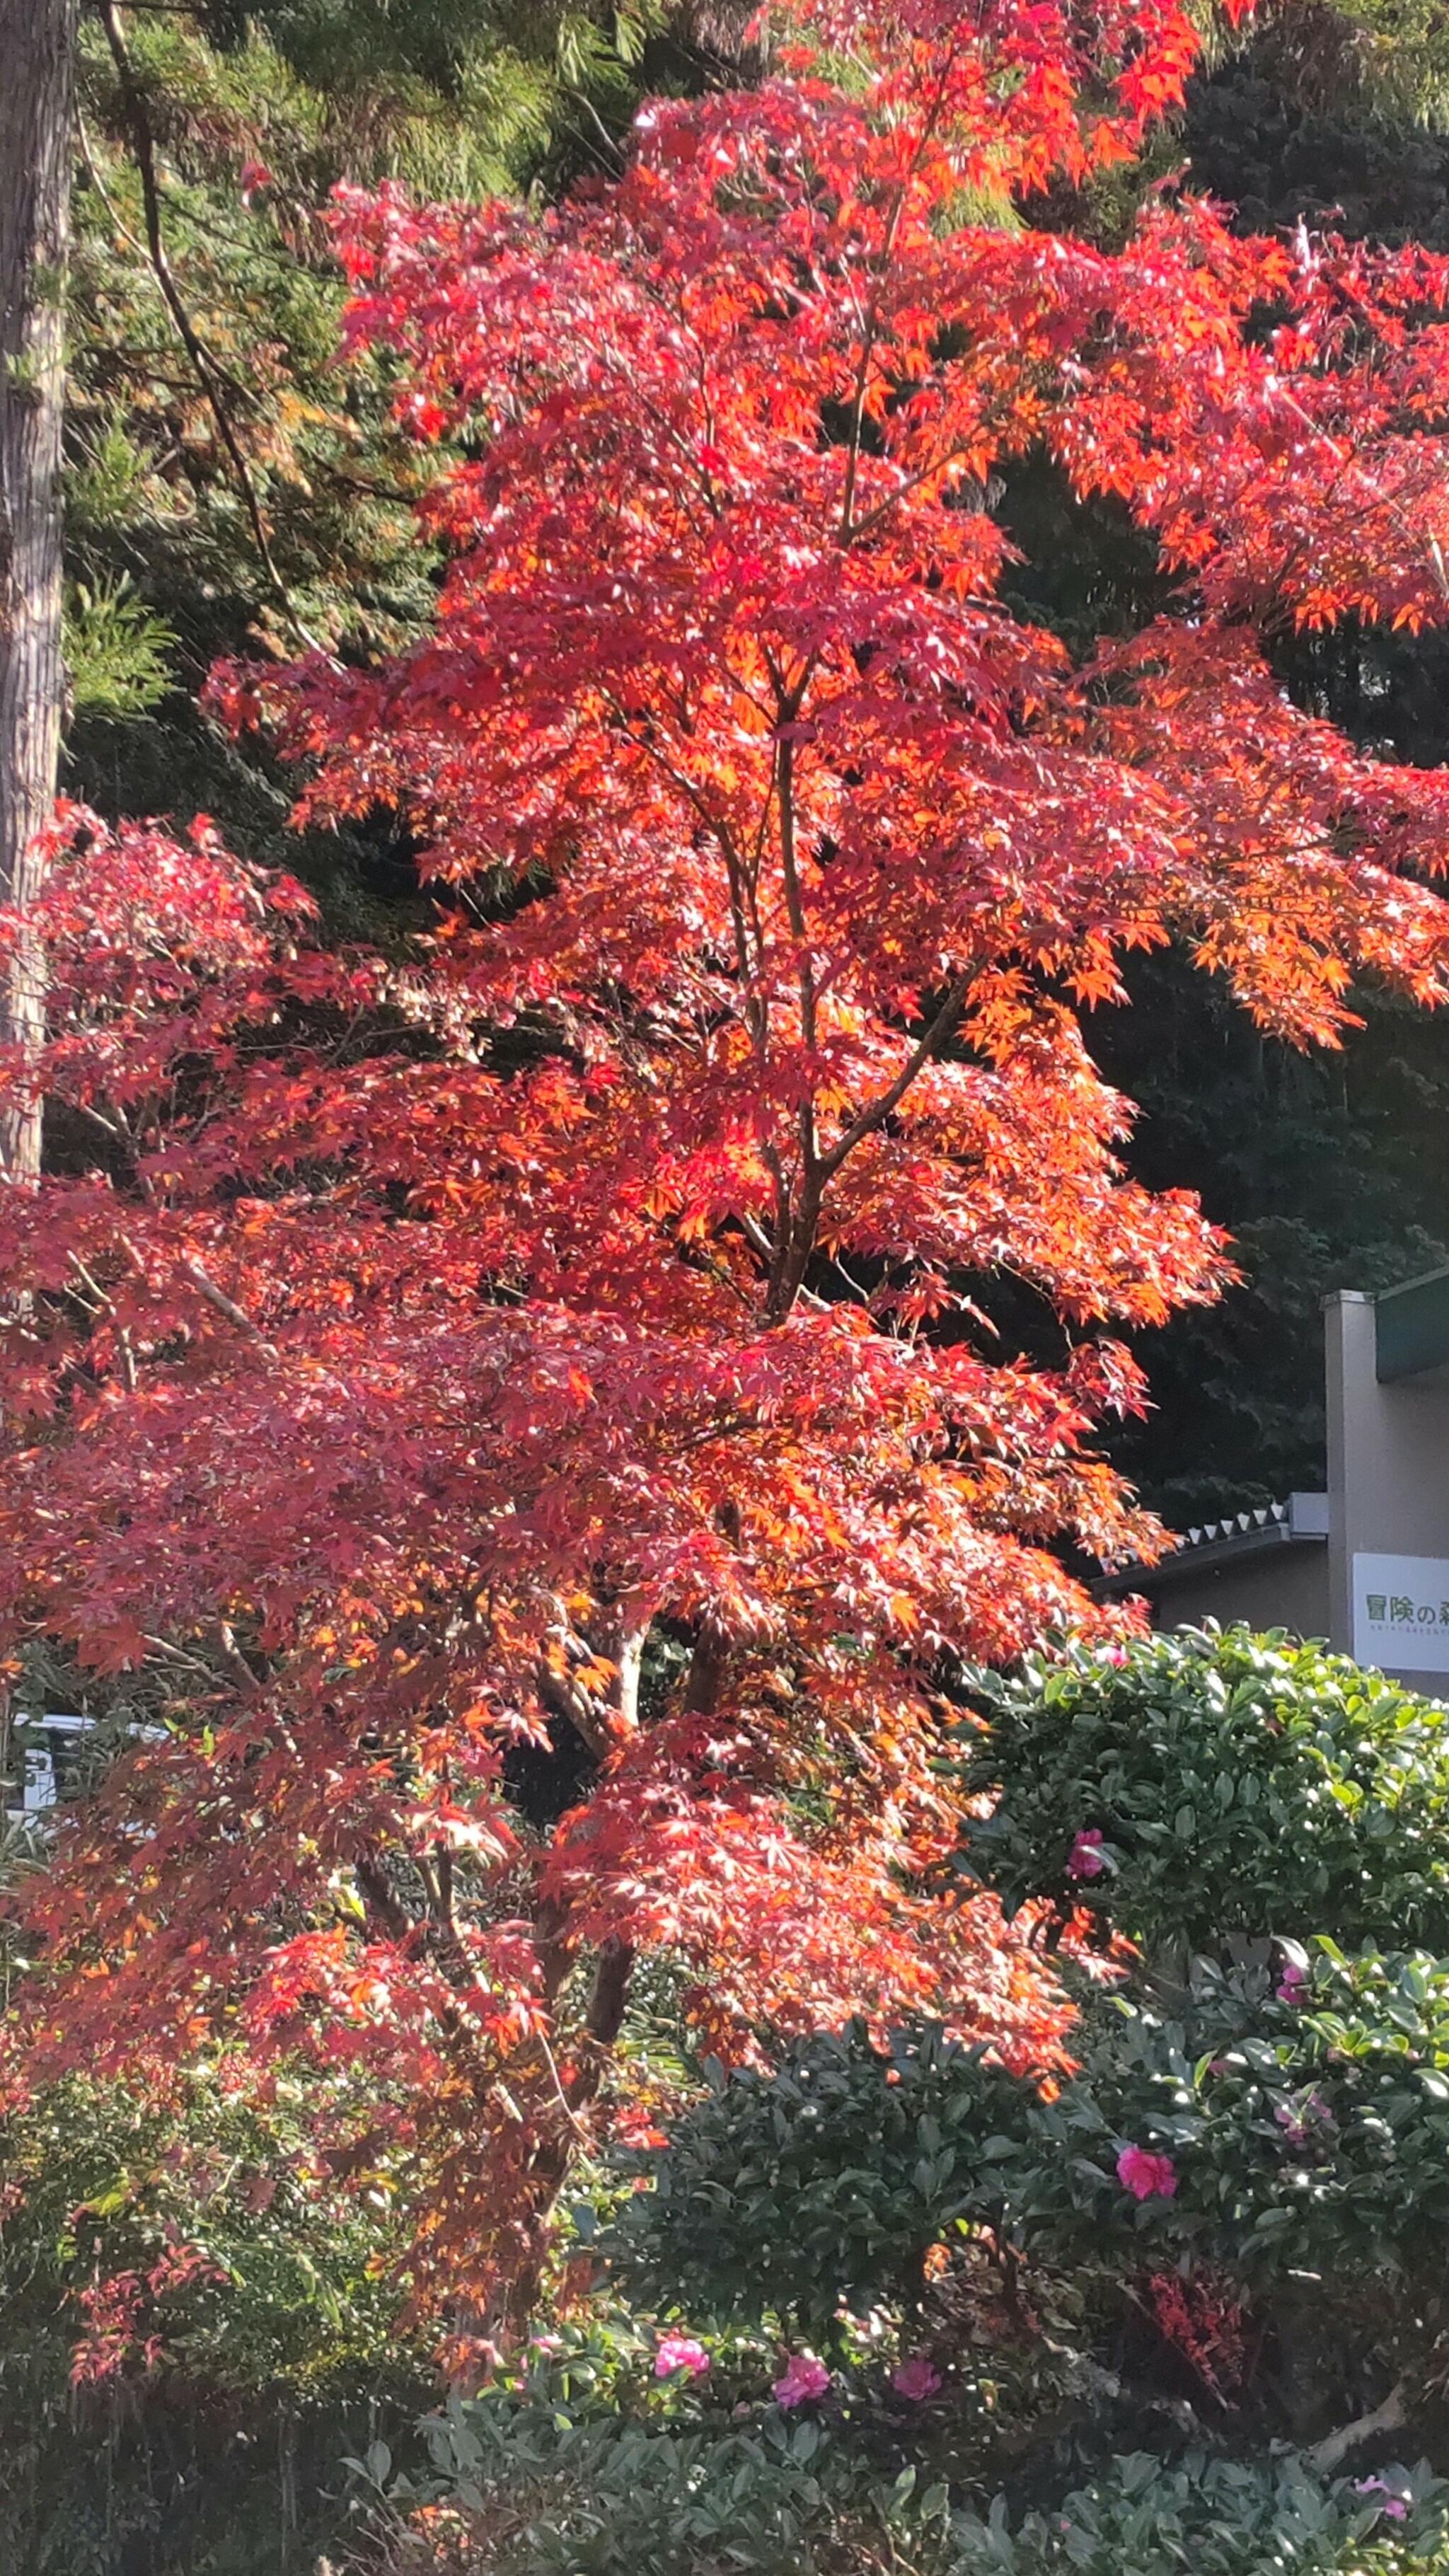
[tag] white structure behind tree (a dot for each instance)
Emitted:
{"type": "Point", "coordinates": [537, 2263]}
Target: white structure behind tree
{"type": "Point", "coordinates": [1365, 1564]}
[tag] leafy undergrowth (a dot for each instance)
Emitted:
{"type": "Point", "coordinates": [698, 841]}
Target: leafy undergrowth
{"type": "Point", "coordinates": [535, 2482]}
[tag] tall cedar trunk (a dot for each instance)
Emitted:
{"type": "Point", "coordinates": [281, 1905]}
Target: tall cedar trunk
{"type": "Point", "coordinates": [37, 45]}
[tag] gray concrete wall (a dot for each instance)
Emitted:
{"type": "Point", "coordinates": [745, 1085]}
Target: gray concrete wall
{"type": "Point", "coordinates": [1388, 1471]}
{"type": "Point", "coordinates": [1284, 1587]}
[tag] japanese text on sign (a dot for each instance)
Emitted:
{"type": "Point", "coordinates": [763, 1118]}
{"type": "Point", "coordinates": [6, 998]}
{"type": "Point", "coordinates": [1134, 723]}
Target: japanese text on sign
{"type": "Point", "coordinates": [1401, 1612]}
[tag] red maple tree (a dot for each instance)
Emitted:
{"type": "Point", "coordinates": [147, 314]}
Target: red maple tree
{"type": "Point", "coordinates": [529, 1399]}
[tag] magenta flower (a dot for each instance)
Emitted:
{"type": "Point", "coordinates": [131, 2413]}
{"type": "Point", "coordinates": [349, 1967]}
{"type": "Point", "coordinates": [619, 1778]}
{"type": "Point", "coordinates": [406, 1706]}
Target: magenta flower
{"type": "Point", "coordinates": [1298, 2125]}
{"type": "Point", "coordinates": [1145, 2175]}
{"type": "Point", "coordinates": [1293, 1984]}
{"type": "Point", "coordinates": [916, 2378]}
{"type": "Point", "coordinates": [1086, 1858]}
{"type": "Point", "coordinates": [802, 2379]}
{"type": "Point", "coordinates": [1390, 2504]}
{"type": "Point", "coordinates": [680, 2352]}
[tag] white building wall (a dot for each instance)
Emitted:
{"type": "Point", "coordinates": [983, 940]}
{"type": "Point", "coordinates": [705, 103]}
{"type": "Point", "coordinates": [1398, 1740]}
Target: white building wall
{"type": "Point", "coordinates": [1388, 1484]}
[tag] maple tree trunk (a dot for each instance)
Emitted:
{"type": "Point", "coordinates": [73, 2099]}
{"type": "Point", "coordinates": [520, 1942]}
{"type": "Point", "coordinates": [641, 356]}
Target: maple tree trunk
{"type": "Point", "coordinates": [37, 45]}
{"type": "Point", "coordinates": [518, 2294]}
{"type": "Point", "coordinates": [604, 2016]}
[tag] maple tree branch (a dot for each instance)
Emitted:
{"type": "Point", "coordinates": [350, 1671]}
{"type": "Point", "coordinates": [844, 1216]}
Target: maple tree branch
{"type": "Point", "coordinates": [381, 1899]}
{"type": "Point", "coordinates": [143, 145]}
{"type": "Point", "coordinates": [737, 874]}
{"type": "Point", "coordinates": [233, 1658]}
{"type": "Point", "coordinates": [783, 1217]}
{"type": "Point", "coordinates": [628, 374]}
{"type": "Point", "coordinates": [1356, 306]}
{"type": "Point", "coordinates": [567, 1701]}
{"type": "Point", "coordinates": [565, 2105]}
{"type": "Point", "coordinates": [910, 483]}
{"type": "Point", "coordinates": [552, 1947]}
{"type": "Point", "coordinates": [217, 1297]}
{"type": "Point", "coordinates": [708, 1668]}
{"type": "Point", "coordinates": [795, 909]}
{"type": "Point", "coordinates": [108, 1306]}
{"type": "Point", "coordinates": [390, 1918]}
{"type": "Point", "coordinates": [797, 1243]}
{"type": "Point", "coordinates": [444, 1867]}
{"type": "Point", "coordinates": [178, 1654]}
{"type": "Point", "coordinates": [609, 1995]}
{"type": "Point", "coordinates": [879, 1109]}
{"type": "Point", "coordinates": [871, 330]}
{"type": "Point", "coordinates": [601, 1724]}
{"type": "Point", "coordinates": [629, 1668]}
{"type": "Point", "coordinates": [1386, 2418]}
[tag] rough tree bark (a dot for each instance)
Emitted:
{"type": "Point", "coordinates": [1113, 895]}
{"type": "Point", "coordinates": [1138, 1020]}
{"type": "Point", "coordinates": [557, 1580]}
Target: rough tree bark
{"type": "Point", "coordinates": [37, 48]}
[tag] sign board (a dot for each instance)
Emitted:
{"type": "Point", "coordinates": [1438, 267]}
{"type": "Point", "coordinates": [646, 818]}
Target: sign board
{"type": "Point", "coordinates": [1401, 1613]}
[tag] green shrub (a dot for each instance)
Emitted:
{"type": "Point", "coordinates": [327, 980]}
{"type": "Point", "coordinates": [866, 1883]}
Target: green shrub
{"type": "Point", "coordinates": [1305, 2119]}
{"type": "Point", "coordinates": [1308, 2131]}
{"type": "Point", "coordinates": [528, 2481]}
{"type": "Point", "coordinates": [196, 2323]}
{"type": "Point", "coordinates": [1236, 1784]}
{"type": "Point", "coordinates": [822, 2183]}
{"type": "Point", "coordinates": [523, 2488]}
{"type": "Point", "coordinates": [246, 2265]}
{"type": "Point", "coordinates": [1219, 2518]}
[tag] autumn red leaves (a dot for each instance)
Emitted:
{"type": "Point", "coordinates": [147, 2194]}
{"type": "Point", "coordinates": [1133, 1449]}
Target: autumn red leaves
{"type": "Point", "coordinates": [529, 1396]}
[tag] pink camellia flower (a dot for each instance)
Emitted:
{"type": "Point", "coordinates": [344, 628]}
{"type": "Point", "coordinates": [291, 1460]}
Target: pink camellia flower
{"type": "Point", "coordinates": [1298, 2125]}
{"type": "Point", "coordinates": [916, 2378]}
{"type": "Point", "coordinates": [1145, 2175]}
{"type": "Point", "coordinates": [547, 2343]}
{"type": "Point", "coordinates": [1115, 1655]}
{"type": "Point", "coordinates": [680, 2352]}
{"type": "Point", "coordinates": [1390, 2504]}
{"type": "Point", "coordinates": [802, 2379]}
{"type": "Point", "coordinates": [1293, 1983]}
{"type": "Point", "coordinates": [1085, 1859]}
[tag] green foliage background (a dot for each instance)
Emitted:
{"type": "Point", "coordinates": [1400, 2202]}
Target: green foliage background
{"type": "Point", "coordinates": [257, 2307]}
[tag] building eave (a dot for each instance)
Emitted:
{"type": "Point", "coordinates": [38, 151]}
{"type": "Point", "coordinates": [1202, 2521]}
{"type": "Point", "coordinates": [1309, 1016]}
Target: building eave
{"type": "Point", "coordinates": [1297, 1523]}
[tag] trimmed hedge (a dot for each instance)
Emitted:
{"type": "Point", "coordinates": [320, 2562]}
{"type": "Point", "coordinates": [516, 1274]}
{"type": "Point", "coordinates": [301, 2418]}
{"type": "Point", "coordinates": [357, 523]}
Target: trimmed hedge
{"type": "Point", "coordinates": [1213, 1783]}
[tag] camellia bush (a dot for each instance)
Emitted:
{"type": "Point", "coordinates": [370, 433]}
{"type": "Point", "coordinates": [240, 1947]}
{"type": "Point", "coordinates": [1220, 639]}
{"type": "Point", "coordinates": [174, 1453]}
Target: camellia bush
{"type": "Point", "coordinates": [575, 2466]}
{"type": "Point", "coordinates": [1258, 2135]}
{"type": "Point", "coordinates": [817, 2188]}
{"type": "Point", "coordinates": [1220, 2519]}
{"type": "Point", "coordinates": [1188, 1787]}
{"type": "Point", "coordinates": [1206, 2264]}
